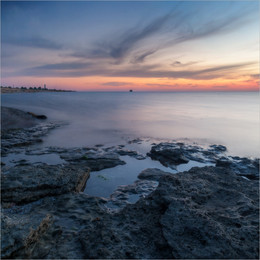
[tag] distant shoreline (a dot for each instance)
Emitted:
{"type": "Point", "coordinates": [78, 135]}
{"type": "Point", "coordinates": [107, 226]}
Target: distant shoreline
{"type": "Point", "coordinates": [10, 90]}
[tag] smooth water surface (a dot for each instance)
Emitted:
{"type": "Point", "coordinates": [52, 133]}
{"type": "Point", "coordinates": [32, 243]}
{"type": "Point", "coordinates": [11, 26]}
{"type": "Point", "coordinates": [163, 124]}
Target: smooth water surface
{"type": "Point", "coordinates": [103, 183]}
{"type": "Point", "coordinates": [231, 119]}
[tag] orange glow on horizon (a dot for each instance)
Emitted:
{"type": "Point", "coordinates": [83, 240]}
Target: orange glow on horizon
{"type": "Point", "coordinates": [138, 84]}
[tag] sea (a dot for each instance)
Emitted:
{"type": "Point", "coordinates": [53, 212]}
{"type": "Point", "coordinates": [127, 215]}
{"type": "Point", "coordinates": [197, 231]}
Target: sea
{"type": "Point", "coordinates": [116, 118]}
{"type": "Point", "coordinates": [109, 118]}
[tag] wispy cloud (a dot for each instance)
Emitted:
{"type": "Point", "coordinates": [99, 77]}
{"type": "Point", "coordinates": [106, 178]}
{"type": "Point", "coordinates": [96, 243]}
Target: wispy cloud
{"type": "Point", "coordinates": [88, 69]}
{"type": "Point", "coordinates": [210, 73]}
{"type": "Point", "coordinates": [216, 26]}
{"type": "Point", "coordinates": [125, 42]}
{"type": "Point", "coordinates": [35, 42]}
{"type": "Point", "coordinates": [140, 57]}
{"type": "Point", "coordinates": [224, 68]}
{"type": "Point", "coordinates": [134, 36]}
{"type": "Point", "coordinates": [65, 66]}
{"type": "Point", "coordinates": [255, 76]}
{"type": "Point", "coordinates": [181, 64]}
{"type": "Point", "coordinates": [176, 26]}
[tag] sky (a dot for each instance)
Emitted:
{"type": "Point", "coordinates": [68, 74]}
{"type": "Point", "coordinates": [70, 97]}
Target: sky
{"type": "Point", "coordinates": [122, 45]}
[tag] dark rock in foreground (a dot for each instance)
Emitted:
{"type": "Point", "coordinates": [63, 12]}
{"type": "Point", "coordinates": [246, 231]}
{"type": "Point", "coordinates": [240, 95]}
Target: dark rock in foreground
{"type": "Point", "coordinates": [12, 118]}
{"type": "Point", "coordinates": [207, 212]}
{"type": "Point", "coordinates": [23, 184]}
{"type": "Point", "coordinates": [212, 213]}
{"type": "Point", "coordinates": [54, 224]}
{"type": "Point", "coordinates": [204, 213]}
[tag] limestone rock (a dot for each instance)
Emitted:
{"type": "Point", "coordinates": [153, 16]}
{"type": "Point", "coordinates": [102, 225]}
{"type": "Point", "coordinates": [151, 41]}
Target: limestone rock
{"type": "Point", "coordinates": [168, 157]}
{"type": "Point", "coordinates": [20, 233]}
{"type": "Point", "coordinates": [153, 174]}
{"type": "Point", "coordinates": [207, 212]}
{"type": "Point", "coordinates": [26, 183]}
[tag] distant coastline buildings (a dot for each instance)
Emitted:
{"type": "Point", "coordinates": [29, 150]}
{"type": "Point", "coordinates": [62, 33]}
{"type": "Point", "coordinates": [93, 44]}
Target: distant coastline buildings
{"type": "Point", "coordinates": [9, 89]}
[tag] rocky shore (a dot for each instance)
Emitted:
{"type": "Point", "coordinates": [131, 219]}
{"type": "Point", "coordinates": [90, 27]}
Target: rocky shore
{"type": "Point", "coordinates": [210, 212]}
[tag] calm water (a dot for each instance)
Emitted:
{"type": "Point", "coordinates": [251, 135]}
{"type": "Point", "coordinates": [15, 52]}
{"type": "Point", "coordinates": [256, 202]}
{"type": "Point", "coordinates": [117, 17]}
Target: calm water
{"type": "Point", "coordinates": [231, 119]}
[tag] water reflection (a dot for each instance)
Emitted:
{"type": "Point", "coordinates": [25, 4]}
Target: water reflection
{"type": "Point", "coordinates": [231, 119]}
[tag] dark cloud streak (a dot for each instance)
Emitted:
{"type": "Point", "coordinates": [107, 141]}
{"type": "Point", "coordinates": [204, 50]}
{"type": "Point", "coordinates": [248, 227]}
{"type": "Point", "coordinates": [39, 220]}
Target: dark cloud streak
{"type": "Point", "coordinates": [85, 69]}
{"type": "Point", "coordinates": [35, 42]}
{"type": "Point", "coordinates": [141, 57]}
{"type": "Point", "coordinates": [180, 64]}
{"type": "Point", "coordinates": [65, 66]}
{"type": "Point", "coordinates": [132, 37]}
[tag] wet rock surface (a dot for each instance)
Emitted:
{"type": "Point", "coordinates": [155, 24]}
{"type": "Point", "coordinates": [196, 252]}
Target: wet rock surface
{"type": "Point", "coordinates": [65, 215]}
{"type": "Point", "coordinates": [14, 140]}
{"type": "Point", "coordinates": [241, 165]}
{"type": "Point", "coordinates": [152, 174]}
{"type": "Point", "coordinates": [131, 153]}
{"type": "Point", "coordinates": [26, 183]}
{"type": "Point", "coordinates": [95, 159]}
{"type": "Point", "coordinates": [19, 232]}
{"type": "Point", "coordinates": [20, 129]}
{"type": "Point", "coordinates": [129, 194]}
{"type": "Point", "coordinates": [212, 212]}
{"type": "Point", "coordinates": [207, 212]}
{"type": "Point", "coordinates": [172, 154]}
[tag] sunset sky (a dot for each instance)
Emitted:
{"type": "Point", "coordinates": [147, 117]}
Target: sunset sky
{"type": "Point", "coordinates": [144, 46]}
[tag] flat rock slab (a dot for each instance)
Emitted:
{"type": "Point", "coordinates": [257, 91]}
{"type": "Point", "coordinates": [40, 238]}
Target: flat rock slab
{"type": "Point", "coordinates": [26, 183]}
{"type": "Point", "coordinates": [171, 154]}
{"type": "Point", "coordinates": [95, 159]}
{"type": "Point", "coordinates": [131, 153]}
{"type": "Point", "coordinates": [212, 213]}
{"type": "Point", "coordinates": [15, 140]}
{"type": "Point", "coordinates": [49, 227]}
{"type": "Point", "coordinates": [152, 174]}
